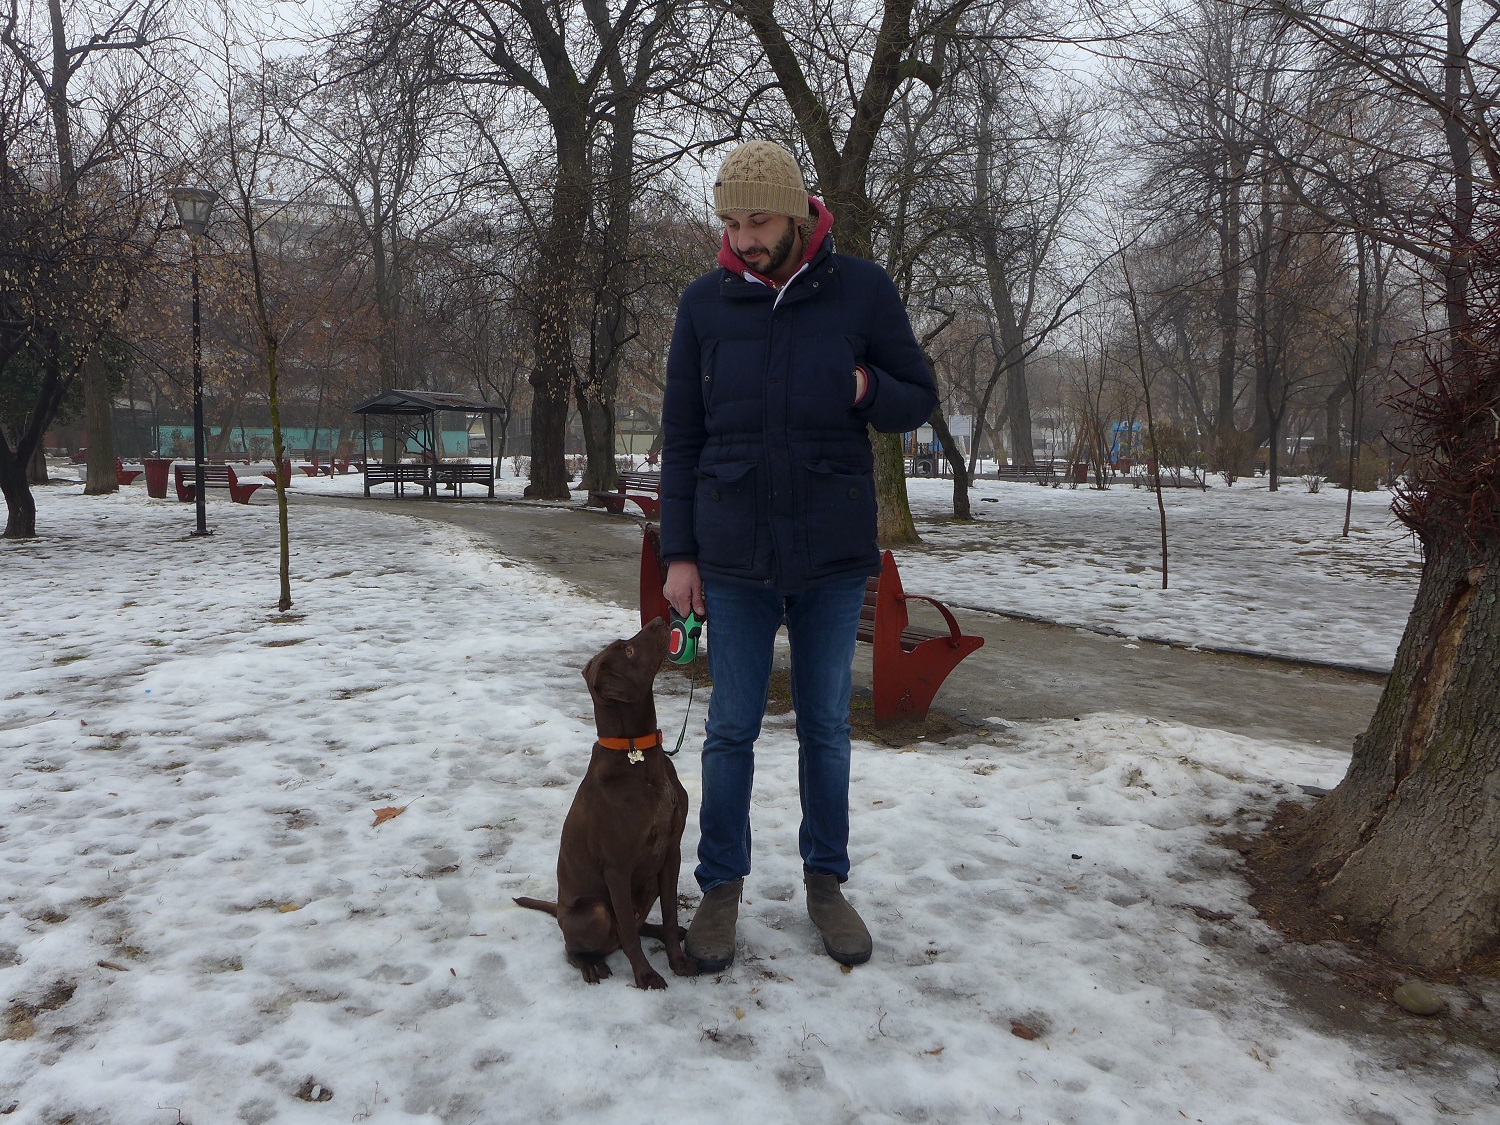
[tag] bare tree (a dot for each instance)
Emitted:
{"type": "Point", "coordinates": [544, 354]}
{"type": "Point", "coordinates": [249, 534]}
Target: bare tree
{"type": "Point", "coordinates": [1404, 849]}
{"type": "Point", "coordinates": [1194, 93]}
{"type": "Point", "coordinates": [387, 137]}
{"type": "Point", "coordinates": [570, 64]}
{"type": "Point", "coordinates": [95, 101]}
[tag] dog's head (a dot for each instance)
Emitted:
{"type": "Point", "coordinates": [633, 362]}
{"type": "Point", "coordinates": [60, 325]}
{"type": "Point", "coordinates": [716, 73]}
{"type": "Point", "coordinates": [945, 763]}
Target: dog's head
{"type": "Point", "coordinates": [623, 671]}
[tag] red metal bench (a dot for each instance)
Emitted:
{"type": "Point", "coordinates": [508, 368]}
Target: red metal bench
{"type": "Point", "coordinates": [910, 662]}
{"type": "Point", "coordinates": [643, 488]}
{"type": "Point", "coordinates": [124, 476]}
{"type": "Point", "coordinates": [214, 476]}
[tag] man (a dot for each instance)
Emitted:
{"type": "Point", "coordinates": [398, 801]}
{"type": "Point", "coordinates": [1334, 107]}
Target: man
{"type": "Point", "coordinates": [780, 360]}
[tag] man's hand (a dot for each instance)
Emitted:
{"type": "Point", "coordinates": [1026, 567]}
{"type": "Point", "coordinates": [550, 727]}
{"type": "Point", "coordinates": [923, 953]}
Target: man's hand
{"type": "Point", "coordinates": [861, 383]}
{"type": "Point", "coordinates": [684, 589]}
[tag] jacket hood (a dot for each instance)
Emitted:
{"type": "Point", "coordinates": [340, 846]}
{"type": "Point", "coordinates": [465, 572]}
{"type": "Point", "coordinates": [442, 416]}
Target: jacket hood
{"type": "Point", "coordinates": [735, 264]}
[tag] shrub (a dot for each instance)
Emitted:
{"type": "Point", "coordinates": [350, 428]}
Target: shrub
{"type": "Point", "coordinates": [1232, 456]}
{"type": "Point", "coordinates": [1368, 471]}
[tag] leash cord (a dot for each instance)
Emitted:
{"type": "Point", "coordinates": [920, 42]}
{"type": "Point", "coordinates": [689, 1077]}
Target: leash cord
{"type": "Point", "coordinates": [692, 683]}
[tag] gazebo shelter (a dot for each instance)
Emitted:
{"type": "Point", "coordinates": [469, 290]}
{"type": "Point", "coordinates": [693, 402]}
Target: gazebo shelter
{"type": "Point", "coordinates": [410, 421]}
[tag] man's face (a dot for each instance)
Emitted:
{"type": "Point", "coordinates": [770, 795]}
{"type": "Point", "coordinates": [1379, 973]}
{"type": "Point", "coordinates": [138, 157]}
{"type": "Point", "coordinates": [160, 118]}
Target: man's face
{"type": "Point", "coordinates": [766, 242]}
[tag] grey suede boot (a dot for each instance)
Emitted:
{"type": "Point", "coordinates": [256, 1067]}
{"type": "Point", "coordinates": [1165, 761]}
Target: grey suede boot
{"type": "Point", "coordinates": [844, 935]}
{"type": "Point", "coordinates": [710, 937]}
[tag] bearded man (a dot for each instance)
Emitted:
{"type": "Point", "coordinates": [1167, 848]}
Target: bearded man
{"type": "Point", "coordinates": [782, 359]}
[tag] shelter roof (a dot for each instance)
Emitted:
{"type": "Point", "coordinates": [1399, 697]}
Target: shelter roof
{"type": "Point", "coordinates": [425, 402]}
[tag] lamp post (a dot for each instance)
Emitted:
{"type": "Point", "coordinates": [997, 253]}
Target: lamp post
{"type": "Point", "coordinates": [195, 206]}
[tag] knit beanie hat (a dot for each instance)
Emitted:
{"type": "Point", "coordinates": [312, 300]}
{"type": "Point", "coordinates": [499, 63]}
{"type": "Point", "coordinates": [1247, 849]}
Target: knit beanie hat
{"type": "Point", "coordinates": [761, 176]}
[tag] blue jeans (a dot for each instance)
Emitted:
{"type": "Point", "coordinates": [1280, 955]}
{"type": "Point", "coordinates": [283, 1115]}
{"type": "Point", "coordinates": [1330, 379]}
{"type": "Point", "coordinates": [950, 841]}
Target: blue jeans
{"type": "Point", "coordinates": [742, 622]}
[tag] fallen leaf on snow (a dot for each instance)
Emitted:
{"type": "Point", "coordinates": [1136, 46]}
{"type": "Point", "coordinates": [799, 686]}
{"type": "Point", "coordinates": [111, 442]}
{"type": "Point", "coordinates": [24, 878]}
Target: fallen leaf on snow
{"type": "Point", "coordinates": [1021, 1031]}
{"type": "Point", "coordinates": [391, 811]}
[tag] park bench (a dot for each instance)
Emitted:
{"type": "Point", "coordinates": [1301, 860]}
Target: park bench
{"type": "Point", "coordinates": [1042, 472]}
{"type": "Point", "coordinates": [453, 475]}
{"type": "Point", "coordinates": [124, 476]}
{"type": "Point", "coordinates": [399, 474]}
{"type": "Point", "coordinates": [644, 488]}
{"type": "Point", "coordinates": [910, 662]}
{"type": "Point", "coordinates": [214, 476]}
{"type": "Point", "coordinates": [457, 474]}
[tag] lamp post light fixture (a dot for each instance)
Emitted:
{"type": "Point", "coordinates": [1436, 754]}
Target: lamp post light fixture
{"type": "Point", "coordinates": [195, 206]}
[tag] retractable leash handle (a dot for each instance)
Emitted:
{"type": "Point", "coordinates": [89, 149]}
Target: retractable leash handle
{"type": "Point", "coordinates": [682, 649]}
{"type": "Point", "coordinates": [682, 640]}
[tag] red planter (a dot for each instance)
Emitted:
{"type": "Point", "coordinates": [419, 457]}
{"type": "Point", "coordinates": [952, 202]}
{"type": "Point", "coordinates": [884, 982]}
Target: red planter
{"type": "Point", "coordinates": [158, 469]}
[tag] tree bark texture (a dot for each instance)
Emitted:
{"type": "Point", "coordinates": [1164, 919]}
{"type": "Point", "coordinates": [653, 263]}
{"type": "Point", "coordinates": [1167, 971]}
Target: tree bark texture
{"type": "Point", "coordinates": [98, 403]}
{"type": "Point", "coordinates": [1407, 848]}
{"type": "Point", "coordinates": [20, 505]}
{"type": "Point", "coordinates": [554, 372]}
{"type": "Point", "coordinates": [36, 466]}
{"type": "Point", "coordinates": [939, 424]}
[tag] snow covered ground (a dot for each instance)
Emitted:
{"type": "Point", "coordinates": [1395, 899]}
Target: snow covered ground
{"type": "Point", "coordinates": [201, 922]}
{"type": "Point", "coordinates": [1249, 570]}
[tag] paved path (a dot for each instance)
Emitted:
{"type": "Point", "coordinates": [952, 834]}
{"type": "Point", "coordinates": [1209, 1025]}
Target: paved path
{"type": "Point", "coordinates": [1025, 670]}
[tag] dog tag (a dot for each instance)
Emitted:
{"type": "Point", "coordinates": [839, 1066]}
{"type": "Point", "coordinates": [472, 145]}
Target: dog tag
{"type": "Point", "coordinates": [636, 756]}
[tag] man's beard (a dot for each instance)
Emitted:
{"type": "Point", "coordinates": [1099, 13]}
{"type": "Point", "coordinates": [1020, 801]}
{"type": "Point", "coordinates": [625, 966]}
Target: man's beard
{"type": "Point", "coordinates": [778, 254]}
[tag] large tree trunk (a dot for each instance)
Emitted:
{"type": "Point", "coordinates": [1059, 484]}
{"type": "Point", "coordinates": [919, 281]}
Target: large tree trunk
{"type": "Point", "coordinates": [610, 329]}
{"type": "Point", "coordinates": [939, 424]}
{"type": "Point", "coordinates": [36, 466]}
{"type": "Point", "coordinates": [1407, 848]}
{"type": "Point", "coordinates": [98, 409]}
{"type": "Point", "coordinates": [553, 374]}
{"type": "Point", "coordinates": [596, 415]}
{"type": "Point", "coordinates": [20, 505]}
{"type": "Point", "coordinates": [15, 459]}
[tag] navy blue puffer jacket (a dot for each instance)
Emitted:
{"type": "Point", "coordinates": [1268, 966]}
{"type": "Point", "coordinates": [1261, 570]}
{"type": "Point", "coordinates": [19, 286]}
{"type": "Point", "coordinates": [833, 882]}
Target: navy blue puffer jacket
{"type": "Point", "coordinates": [767, 469]}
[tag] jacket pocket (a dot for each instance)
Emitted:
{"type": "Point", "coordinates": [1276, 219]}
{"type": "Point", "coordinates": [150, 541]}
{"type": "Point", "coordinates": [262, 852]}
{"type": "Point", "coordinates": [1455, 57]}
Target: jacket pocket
{"type": "Point", "coordinates": [725, 515]}
{"type": "Point", "coordinates": [839, 511]}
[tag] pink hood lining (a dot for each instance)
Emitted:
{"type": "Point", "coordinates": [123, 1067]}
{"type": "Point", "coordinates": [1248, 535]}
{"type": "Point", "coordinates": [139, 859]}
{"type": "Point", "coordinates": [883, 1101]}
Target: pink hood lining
{"type": "Point", "coordinates": [734, 263]}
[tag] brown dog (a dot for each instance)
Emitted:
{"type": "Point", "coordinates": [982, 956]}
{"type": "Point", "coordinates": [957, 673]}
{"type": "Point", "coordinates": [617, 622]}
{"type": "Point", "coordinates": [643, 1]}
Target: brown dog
{"type": "Point", "coordinates": [622, 839]}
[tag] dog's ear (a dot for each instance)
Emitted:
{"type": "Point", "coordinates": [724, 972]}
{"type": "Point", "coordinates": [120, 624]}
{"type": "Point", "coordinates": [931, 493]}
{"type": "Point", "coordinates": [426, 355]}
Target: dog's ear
{"type": "Point", "coordinates": [604, 681]}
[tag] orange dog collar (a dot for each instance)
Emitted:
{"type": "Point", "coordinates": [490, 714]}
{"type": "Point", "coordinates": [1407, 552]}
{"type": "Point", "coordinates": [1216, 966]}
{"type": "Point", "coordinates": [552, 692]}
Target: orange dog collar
{"type": "Point", "coordinates": [634, 745]}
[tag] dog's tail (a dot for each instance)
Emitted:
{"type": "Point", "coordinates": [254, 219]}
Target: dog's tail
{"type": "Point", "coordinates": [537, 904]}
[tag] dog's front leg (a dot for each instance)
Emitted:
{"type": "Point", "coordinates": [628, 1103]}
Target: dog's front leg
{"type": "Point", "coordinates": [681, 963]}
{"type": "Point", "coordinates": [618, 883]}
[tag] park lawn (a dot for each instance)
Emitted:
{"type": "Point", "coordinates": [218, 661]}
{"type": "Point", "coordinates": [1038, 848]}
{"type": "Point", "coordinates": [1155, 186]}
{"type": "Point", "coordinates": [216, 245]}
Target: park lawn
{"type": "Point", "coordinates": [203, 920]}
